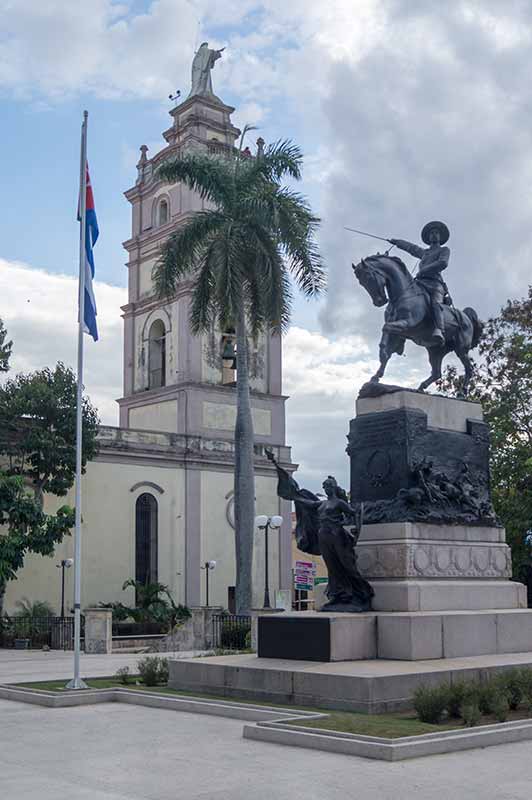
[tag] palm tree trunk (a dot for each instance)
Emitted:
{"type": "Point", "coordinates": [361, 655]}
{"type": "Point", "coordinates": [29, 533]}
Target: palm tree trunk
{"type": "Point", "coordinates": [3, 587]}
{"type": "Point", "coordinates": [244, 473]}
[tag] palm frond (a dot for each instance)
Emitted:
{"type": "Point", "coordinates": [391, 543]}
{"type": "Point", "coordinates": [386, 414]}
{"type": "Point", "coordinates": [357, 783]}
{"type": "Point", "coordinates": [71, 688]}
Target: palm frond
{"type": "Point", "coordinates": [181, 251]}
{"type": "Point", "coordinates": [297, 227]}
{"type": "Point", "coordinates": [210, 176]}
{"type": "Point", "coordinates": [278, 160]}
{"type": "Point", "coordinates": [202, 309]}
{"type": "Point", "coordinates": [273, 285]}
{"type": "Point", "coordinates": [232, 271]}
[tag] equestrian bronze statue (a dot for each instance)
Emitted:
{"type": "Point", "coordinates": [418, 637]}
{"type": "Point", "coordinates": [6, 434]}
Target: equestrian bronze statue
{"type": "Point", "coordinates": [420, 308]}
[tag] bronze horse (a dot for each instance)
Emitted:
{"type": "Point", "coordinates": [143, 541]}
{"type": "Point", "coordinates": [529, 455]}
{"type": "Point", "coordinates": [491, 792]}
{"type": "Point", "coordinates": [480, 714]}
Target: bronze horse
{"type": "Point", "coordinates": [408, 316]}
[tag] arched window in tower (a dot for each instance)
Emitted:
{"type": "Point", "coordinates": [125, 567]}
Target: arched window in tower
{"type": "Point", "coordinates": [146, 539]}
{"type": "Point", "coordinates": [157, 355]}
{"type": "Point", "coordinates": [163, 212]}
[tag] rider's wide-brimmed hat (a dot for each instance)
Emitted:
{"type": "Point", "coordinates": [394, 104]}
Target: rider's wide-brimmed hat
{"type": "Point", "coordinates": [441, 226]}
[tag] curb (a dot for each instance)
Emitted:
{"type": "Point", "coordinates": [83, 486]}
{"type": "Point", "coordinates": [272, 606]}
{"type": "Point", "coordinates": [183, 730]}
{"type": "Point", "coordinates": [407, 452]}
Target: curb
{"type": "Point", "coordinates": [197, 705]}
{"type": "Point", "coordinates": [279, 732]}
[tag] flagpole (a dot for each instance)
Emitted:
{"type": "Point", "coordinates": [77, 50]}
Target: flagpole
{"type": "Point", "coordinates": [77, 682]}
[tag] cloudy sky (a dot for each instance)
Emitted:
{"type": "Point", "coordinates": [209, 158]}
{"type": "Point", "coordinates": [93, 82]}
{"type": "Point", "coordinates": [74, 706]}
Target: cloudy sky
{"type": "Point", "coordinates": [407, 110]}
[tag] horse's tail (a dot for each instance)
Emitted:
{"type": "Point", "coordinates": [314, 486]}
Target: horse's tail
{"type": "Point", "coordinates": [478, 327]}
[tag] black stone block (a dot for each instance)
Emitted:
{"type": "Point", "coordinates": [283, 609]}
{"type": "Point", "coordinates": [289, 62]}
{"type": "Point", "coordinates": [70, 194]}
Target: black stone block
{"type": "Point", "coordinates": [296, 638]}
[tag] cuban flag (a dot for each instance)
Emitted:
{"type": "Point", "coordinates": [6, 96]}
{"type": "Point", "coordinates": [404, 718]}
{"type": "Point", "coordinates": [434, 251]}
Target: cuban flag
{"type": "Point", "coordinates": [91, 236]}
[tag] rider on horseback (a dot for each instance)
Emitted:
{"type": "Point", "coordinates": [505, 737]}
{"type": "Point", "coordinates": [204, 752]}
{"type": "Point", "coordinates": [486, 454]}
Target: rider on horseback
{"type": "Point", "coordinates": [433, 261]}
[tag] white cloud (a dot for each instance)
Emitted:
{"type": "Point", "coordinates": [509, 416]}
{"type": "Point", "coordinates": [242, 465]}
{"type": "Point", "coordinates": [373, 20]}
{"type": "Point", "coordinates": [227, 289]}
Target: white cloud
{"type": "Point", "coordinates": [412, 109]}
{"type": "Point", "coordinates": [322, 377]}
{"type": "Point", "coordinates": [40, 313]}
{"type": "Point", "coordinates": [61, 47]}
{"type": "Point", "coordinates": [56, 49]}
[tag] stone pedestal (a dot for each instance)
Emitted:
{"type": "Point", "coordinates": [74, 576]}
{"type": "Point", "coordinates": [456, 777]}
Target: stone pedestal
{"type": "Point", "coordinates": [98, 630]}
{"type": "Point", "coordinates": [420, 458]}
{"type": "Point", "coordinates": [421, 567]}
{"type": "Point", "coordinates": [311, 636]}
{"type": "Point", "coordinates": [399, 636]}
{"type": "Point", "coordinates": [195, 633]}
{"type": "Point", "coordinates": [430, 540]}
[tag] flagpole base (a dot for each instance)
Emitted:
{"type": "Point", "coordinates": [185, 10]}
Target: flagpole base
{"type": "Point", "coordinates": [77, 683]}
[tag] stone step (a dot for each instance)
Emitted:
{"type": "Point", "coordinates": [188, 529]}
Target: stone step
{"type": "Point", "coordinates": [371, 686]}
{"type": "Point", "coordinates": [409, 636]}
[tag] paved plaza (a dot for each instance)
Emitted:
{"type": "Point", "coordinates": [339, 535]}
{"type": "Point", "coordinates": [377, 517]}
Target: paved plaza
{"type": "Point", "coordinates": [18, 666]}
{"type": "Point", "coordinates": [114, 752]}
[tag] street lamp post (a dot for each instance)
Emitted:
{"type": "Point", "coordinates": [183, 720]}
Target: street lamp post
{"type": "Point", "coordinates": [265, 523]}
{"type": "Point", "coordinates": [207, 567]}
{"type": "Point", "coordinates": [66, 563]}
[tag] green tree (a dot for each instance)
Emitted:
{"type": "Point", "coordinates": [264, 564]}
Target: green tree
{"type": "Point", "coordinates": [502, 382]}
{"type": "Point", "coordinates": [26, 528]}
{"type": "Point", "coordinates": [154, 603]}
{"type": "Point", "coordinates": [38, 451]}
{"type": "Point", "coordinates": [5, 349]}
{"type": "Point", "coordinates": [38, 429]}
{"type": "Point", "coordinates": [241, 256]}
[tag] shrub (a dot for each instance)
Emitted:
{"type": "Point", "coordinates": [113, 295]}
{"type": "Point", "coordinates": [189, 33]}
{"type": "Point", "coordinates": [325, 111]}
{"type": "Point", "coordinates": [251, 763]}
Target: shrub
{"type": "Point", "coordinates": [511, 684]}
{"type": "Point", "coordinates": [233, 635]}
{"type": "Point", "coordinates": [32, 610]}
{"type": "Point", "coordinates": [458, 695]}
{"type": "Point", "coordinates": [123, 675]}
{"type": "Point", "coordinates": [163, 670]}
{"type": "Point", "coordinates": [500, 707]}
{"type": "Point", "coordinates": [525, 682]}
{"type": "Point", "coordinates": [120, 611]}
{"type": "Point", "coordinates": [488, 696]}
{"type": "Point", "coordinates": [430, 702]}
{"type": "Point", "coordinates": [153, 670]}
{"type": "Point", "coordinates": [470, 713]}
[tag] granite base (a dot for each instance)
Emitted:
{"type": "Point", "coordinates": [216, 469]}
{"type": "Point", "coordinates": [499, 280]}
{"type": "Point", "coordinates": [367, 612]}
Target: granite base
{"type": "Point", "coordinates": [371, 686]}
{"type": "Point", "coordinates": [409, 636]}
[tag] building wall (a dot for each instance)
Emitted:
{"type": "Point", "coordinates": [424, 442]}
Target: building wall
{"type": "Point", "coordinates": [108, 537]}
{"type": "Point", "coordinates": [218, 536]}
{"type": "Point", "coordinates": [110, 492]}
{"type": "Point", "coordinates": [160, 416]}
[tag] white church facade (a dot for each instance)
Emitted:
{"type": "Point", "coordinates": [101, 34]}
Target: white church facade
{"type": "Point", "coordinates": [158, 499]}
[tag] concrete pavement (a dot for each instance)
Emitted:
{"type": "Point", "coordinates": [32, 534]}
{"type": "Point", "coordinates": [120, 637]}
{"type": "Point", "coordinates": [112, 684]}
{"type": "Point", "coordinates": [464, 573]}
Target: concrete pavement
{"type": "Point", "coordinates": [17, 666]}
{"type": "Point", "coordinates": [114, 752]}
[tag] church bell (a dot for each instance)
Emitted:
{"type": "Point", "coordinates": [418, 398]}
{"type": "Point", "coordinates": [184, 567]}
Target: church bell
{"type": "Point", "coordinates": [229, 354]}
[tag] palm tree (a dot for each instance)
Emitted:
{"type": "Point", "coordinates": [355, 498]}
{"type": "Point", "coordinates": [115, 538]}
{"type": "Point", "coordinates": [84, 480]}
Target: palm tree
{"type": "Point", "coordinates": [241, 256]}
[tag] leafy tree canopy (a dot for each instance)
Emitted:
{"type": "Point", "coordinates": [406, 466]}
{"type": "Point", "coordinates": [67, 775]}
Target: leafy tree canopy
{"type": "Point", "coordinates": [38, 449]}
{"type": "Point", "coordinates": [503, 384]}
{"type": "Point", "coordinates": [5, 349]}
{"type": "Point", "coordinates": [38, 428]}
{"type": "Point", "coordinates": [26, 528]}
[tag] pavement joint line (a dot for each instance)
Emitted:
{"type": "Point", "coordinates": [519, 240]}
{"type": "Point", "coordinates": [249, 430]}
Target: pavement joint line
{"type": "Point", "coordinates": [277, 729]}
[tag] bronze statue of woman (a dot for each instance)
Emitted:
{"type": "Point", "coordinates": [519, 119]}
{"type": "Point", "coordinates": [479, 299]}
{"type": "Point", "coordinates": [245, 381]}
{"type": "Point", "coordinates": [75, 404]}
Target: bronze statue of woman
{"type": "Point", "coordinates": [322, 529]}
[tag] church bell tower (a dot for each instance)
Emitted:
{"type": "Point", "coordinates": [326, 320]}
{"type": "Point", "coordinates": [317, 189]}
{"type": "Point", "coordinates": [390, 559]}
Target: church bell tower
{"type": "Point", "coordinates": [173, 381]}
